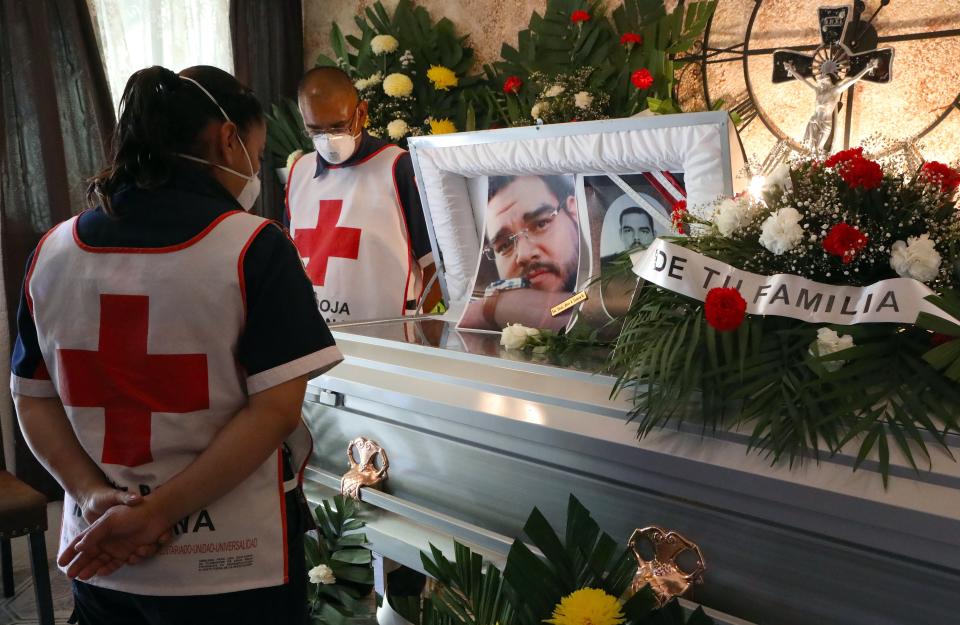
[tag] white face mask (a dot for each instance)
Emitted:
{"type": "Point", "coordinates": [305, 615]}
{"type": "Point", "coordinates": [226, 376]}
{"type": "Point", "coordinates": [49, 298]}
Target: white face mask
{"type": "Point", "coordinates": [251, 190]}
{"type": "Point", "coordinates": [335, 148]}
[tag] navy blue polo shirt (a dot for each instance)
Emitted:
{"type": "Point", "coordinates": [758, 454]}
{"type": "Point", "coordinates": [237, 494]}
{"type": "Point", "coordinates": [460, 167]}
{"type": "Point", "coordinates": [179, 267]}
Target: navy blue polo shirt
{"type": "Point", "coordinates": [406, 185]}
{"type": "Point", "coordinates": [283, 322]}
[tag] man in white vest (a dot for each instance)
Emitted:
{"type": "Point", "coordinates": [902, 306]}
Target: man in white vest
{"type": "Point", "coordinates": [354, 211]}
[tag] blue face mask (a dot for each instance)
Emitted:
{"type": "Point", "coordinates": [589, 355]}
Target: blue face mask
{"type": "Point", "coordinates": [251, 190]}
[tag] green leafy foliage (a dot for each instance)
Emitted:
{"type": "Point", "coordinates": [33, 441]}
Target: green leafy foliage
{"type": "Point", "coordinates": [554, 48]}
{"type": "Point", "coordinates": [285, 132]}
{"type": "Point", "coordinates": [763, 379]}
{"type": "Point", "coordinates": [468, 592]}
{"type": "Point", "coordinates": [339, 544]}
{"type": "Point", "coordinates": [422, 44]}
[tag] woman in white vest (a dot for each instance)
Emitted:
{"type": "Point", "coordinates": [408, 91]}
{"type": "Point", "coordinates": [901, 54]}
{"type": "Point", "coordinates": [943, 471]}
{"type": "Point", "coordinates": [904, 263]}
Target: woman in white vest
{"type": "Point", "coordinates": [165, 340]}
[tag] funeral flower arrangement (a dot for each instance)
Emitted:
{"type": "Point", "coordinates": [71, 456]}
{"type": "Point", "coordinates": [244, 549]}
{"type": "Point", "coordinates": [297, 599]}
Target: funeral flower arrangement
{"type": "Point", "coordinates": [412, 71]}
{"type": "Point", "coordinates": [575, 63]}
{"type": "Point", "coordinates": [823, 316]}
{"type": "Point", "coordinates": [582, 578]}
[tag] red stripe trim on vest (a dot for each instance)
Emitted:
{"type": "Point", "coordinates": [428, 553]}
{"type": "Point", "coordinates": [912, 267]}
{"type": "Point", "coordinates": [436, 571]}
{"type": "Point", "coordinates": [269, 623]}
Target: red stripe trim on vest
{"type": "Point", "coordinates": [286, 193]}
{"type": "Point", "coordinates": [406, 229]}
{"type": "Point", "coordinates": [362, 160]}
{"type": "Point", "coordinates": [33, 265]}
{"type": "Point", "coordinates": [240, 275]}
{"type": "Point", "coordinates": [150, 250]}
{"type": "Point", "coordinates": [283, 517]}
{"type": "Point", "coordinates": [303, 465]}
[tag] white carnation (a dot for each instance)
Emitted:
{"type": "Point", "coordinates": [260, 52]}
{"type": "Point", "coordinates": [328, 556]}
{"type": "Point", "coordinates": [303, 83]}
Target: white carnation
{"type": "Point", "coordinates": [582, 100]}
{"type": "Point", "coordinates": [781, 231]}
{"type": "Point", "coordinates": [829, 342]}
{"type": "Point", "coordinates": [397, 129]}
{"type": "Point", "coordinates": [383, 44]}
{"type": "Point", "coordinates": [322, 574]}
{"type": "Point", "coordinates": [733, 214]}
{"type": "Point", "coordinates": [554, 91]}
{"type": "Point", "coordinates": [917, 258]}
{"type": "Point", "coordinates": [515, 336]}
{"type": "Point", "coordinates": [538, 109]}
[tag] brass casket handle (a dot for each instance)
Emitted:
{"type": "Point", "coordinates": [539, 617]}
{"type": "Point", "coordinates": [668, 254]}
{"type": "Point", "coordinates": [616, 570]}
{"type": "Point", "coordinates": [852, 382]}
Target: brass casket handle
{"type": "Point", "coordinates": [363, 469]}
{"type": "Point", "coordinates": [663, 574]}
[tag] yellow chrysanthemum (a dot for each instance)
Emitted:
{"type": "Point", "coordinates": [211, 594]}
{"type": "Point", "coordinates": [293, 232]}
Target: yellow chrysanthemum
{"type": "Point", "coordinates": [587, 606]}
{"type": "Point", "coordinates": [442, 77]}
{"type": "Point", "coordinates": [442, 126]}
{"type": "Point", "coordinates": [397, 85]}
{"type": "Point", "coordinates": [384, 44]}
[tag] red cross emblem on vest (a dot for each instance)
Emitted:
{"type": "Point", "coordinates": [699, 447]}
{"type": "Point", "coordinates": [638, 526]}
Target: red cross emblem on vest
{"type": "Point", "coordinates": [127, 382]}
{"type": "Point", "coordinates": [326, 241]}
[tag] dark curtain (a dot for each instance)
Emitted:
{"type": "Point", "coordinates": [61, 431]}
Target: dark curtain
{"type": "Point", "coordinates": [56, 118]}
{"type": "Point", "coordinates": [268, 57]}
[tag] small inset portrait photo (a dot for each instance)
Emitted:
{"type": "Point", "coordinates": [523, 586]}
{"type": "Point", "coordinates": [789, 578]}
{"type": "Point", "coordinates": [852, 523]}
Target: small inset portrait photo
{"type": "Point", "coordinates": [624, 213]}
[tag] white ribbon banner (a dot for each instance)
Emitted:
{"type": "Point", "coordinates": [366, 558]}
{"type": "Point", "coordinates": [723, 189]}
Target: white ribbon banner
{"type": "Point", "coordinates": [898, 300]}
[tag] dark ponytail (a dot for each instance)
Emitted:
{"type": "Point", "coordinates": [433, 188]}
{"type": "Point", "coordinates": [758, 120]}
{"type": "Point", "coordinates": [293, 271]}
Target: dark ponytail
{"type": "Point", "coordinates": [162, 115]}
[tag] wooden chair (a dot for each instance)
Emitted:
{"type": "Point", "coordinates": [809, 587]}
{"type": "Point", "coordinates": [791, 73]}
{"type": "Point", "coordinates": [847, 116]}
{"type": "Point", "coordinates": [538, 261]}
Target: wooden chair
{"type": "Point", "coordinates": [23, 512]}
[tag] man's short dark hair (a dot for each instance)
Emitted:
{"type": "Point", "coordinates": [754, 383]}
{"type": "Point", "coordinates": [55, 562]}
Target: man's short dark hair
{"type": "Point", "coordinates": [636, 210]}
{"type": "Point", "coordinates": [560, 186]}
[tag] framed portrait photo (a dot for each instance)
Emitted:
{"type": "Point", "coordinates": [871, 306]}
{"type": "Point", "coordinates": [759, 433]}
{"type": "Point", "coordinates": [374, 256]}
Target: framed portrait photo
{"type": "Point", "coordinates": [522, 219]}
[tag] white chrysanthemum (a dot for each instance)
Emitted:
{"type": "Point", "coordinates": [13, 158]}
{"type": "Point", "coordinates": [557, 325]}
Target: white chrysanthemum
{"type": "Point", "coordinates": [322, 574]}
{"type": "Point", "coordinates": [384, 44]}
{"type": "Point", "coordinates": [397, 129]}
{"type": "Point", "coordinates": [369, 81]}
{"type": "Point", "coordinates": [582, 100]}
{"type": "Point", "coordinates": [917, 258]}
{"type": "Point", "coordinates": [292, 158]}
{"type": "Point", "coordinates": [515, 336]}
{"type": "Point", "coordinates": [397, 85]}
{"type": "Point", "coordinates": [538, 110]}
{"type": "Point", "coordinates": [554, 91]}
{"type": "Point", "coordinates": [829, 342]}
{"type": "Point", "coordinates": [733, 214]}
{"type": "Point", "coordinates": [781, 231]}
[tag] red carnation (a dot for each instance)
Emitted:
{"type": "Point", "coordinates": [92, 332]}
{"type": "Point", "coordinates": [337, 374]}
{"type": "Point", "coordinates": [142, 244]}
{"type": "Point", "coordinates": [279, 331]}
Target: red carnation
{"type": "Point", "coordinates": [678, 214]}
{"type": "Point", "coordinates": [512, 84]}
{"type": "Point", "coordinates": [844, 241]}
{"type": "Point", "coordinates": [725, 309]}
{"type": "Point", "coordinates": [630, 38]}
{"type": "Point", "coordinates": [945, 176]}
{"type": "Point", "coordinates": [843, 156]}
{"type": "Point", "coordinates": [579, 16]}
{"type": "Point", "coordinates": [641, 79]}
{"type": "Point", "coordinates": [860, 172]}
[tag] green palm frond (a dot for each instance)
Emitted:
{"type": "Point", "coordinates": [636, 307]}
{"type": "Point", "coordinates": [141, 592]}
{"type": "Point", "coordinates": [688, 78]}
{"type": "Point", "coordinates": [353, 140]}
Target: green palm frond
{"type": "Point", "coordinates": [339, 544]}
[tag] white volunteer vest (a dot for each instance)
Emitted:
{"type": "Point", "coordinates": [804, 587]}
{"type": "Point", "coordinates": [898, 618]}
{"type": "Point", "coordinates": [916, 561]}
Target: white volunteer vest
{"type": "Point", "coordinates": [141, 346]}
{"type": "Point", "coordinates": [349, 227]}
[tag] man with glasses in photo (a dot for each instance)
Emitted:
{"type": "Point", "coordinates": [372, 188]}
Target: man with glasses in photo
{"type": "Point", "coordinates": [532, 235]}
{"type": "Point", "coordinates": [354, 212]}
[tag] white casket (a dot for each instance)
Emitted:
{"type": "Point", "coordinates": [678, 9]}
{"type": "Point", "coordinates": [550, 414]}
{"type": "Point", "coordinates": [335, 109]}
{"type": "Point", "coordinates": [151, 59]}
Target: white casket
{"type": "Point", "coordinates": [478, 436]}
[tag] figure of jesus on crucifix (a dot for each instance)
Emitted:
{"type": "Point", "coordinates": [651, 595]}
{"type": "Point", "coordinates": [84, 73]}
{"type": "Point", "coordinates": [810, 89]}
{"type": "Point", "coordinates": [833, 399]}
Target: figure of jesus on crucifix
{"type": "Point", "coordinates": [832, 69]}
{"type": "Point", "coordinates": [820, 127]}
